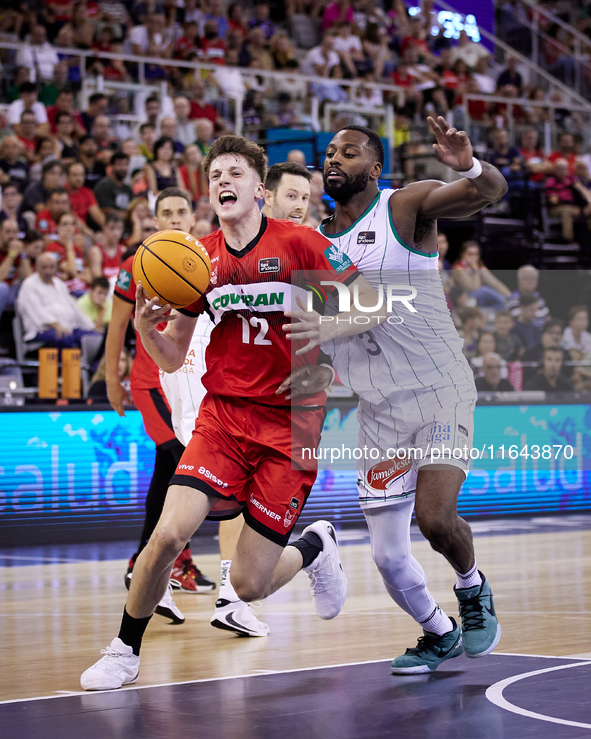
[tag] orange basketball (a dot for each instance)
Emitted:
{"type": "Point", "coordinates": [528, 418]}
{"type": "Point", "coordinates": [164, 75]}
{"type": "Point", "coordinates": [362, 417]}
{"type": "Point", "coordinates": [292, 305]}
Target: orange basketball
{"type": "Point", "coordinates": [172, 266]}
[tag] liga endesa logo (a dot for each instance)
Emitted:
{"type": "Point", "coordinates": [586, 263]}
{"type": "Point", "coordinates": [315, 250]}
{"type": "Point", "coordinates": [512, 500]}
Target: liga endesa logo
{"type": "Point", "coordinates": [382, 474]}
{"type": "Point", "coordinates": [393, 294]}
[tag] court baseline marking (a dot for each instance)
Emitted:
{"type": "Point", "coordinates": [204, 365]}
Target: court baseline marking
{"type": "Point", "coordinates": [495, 695]}
{"type": "Point", "coordinates": [64, 693]}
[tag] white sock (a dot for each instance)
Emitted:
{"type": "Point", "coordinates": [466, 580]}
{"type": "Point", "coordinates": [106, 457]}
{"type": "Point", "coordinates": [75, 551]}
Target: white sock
{"type": "Point", "coordinates": [470, 579]}
{"type": "Point", "coordinates": [226, 590]}
{"type": "Point", "coordinates": [437, 623]}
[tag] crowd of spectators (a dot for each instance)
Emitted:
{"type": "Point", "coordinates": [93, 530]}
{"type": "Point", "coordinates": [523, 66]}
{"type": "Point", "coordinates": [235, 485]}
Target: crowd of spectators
{"type": "Point", "coordinates": [511, 340]}
{"type": "Point", "coordinates": [78, 181]}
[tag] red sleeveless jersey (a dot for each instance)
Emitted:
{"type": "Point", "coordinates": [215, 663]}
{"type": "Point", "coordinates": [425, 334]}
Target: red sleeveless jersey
{"type": "Point", "coordinates": [248, 355]}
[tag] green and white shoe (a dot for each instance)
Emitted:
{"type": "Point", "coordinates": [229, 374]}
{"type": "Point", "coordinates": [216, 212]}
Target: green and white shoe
{"type": "Point", "coordinates": [481, 630]}
{"type": "Point", "coordinates": [430, 652]}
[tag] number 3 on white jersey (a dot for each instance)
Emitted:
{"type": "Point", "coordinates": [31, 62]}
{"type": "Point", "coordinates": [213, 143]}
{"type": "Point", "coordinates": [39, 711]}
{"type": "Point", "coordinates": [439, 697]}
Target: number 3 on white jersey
{"type": "Point", "coordinates": [260, 323]}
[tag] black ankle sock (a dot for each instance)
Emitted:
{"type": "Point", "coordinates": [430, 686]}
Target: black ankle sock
{"type": "Point", "coordinates": [310, 546]}
{"type": "Point", "coordinates": [132, 631]}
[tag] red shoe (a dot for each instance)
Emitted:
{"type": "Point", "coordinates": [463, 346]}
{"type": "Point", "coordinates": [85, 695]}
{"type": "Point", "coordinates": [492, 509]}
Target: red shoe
{"type": "Point", "coordinates": [187, 577]}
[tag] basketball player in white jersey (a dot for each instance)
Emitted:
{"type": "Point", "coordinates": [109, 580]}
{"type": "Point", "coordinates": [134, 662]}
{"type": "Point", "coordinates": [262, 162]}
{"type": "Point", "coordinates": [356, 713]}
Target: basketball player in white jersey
{"type": "Point", "coordinates": [417, 393]}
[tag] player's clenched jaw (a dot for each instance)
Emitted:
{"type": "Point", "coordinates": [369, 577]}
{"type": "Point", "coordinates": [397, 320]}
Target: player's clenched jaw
{"type": "Point", "coordinates": [174, 213]}
{"type": "Point", "coordinates": [235, 188]}
{"type": "Point", "coordinates": [349, 166]}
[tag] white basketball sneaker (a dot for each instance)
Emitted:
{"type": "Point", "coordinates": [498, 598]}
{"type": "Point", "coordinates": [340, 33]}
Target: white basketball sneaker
{"type": "Point", "coordinates": [328, 581]}
{"type": "Point", "coordinates": [167, 607]}
{"type": "Point", "coordinates": [238, 617]}
{"type": "Point", "coordinates": [120, 666]}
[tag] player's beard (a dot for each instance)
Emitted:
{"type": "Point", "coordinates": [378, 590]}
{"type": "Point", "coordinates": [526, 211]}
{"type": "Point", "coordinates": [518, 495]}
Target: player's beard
{"type": "Point", "coordinates": [343, 191]}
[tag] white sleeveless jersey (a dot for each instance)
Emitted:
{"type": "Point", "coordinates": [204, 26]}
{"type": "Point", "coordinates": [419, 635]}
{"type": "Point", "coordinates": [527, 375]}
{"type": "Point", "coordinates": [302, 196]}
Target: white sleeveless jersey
{"type": "Point", "coordinates": [413, 349]}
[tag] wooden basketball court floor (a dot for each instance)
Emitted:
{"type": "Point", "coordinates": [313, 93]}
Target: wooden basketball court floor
{"type": "Point", "coordinates": [310, 678]}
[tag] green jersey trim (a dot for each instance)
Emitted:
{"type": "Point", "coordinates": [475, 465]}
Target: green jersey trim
{"type": "Point", "coordinates": [352, 226]}
{"type": "Point", "coordinates": [403, 243]}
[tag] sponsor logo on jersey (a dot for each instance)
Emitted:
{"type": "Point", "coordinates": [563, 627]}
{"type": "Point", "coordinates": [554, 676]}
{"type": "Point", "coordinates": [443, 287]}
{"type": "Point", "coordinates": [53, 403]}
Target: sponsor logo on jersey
{"type": "Point", "coordinates": [294, 503]}
{"type": "Point", "coordinates": [289, 518]}
{"type": "Point", "coordinates": [462, 429]}
{"type": "Point", "coordinates": [241, 300]}
{"type": "Point", "coordinates": [186, 467]}
{"type": "Point", "coordinates": [210, 476]}
{"type": "Point", "coordinates": [366, 237]}
{"type": "Point", "coordinates": [270, 264]}
{"type": "Point", "coordinates": [337, 258]}
{"type": "Point", "coordinates": [438, 433]}
{"type": "Point", "coordinates": [214, 277]}
{"type": "Point", "coordinates": [124, 280]}
{"type": "Point", "coordinates": [381, 475]}
{"type": "Point", "coordinates": [264, 509]}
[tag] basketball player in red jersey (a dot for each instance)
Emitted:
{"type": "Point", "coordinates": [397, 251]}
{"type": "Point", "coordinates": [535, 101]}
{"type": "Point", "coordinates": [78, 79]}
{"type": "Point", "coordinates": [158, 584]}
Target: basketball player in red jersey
{"type": "Point", "coordinates": [151, 402]}
{"type": "Point", "coordinates": [246, 454]}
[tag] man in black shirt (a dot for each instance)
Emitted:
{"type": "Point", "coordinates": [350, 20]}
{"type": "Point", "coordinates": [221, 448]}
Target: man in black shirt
{"type": "Point", "coordinates": [549, 379]}
{"type": "Point", "coordinates": [37, 194]}
{"type": "Point", "coordinates": [87, 156]}
{"type": "Point", "coordinates": [551, 337]}
{"type": "Point", "coordinates": [492, 382]}
{"type": "Point", "coordinates": [112, 194]}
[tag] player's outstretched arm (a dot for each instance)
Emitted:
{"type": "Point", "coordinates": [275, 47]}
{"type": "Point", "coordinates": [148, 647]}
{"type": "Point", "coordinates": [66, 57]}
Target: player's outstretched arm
{"type": "Point", "coordinates": [463, 197]}
{"type": "Point", "coordinates": [317, 329]}
{"type": "Point", "coordinates": [167, 348]}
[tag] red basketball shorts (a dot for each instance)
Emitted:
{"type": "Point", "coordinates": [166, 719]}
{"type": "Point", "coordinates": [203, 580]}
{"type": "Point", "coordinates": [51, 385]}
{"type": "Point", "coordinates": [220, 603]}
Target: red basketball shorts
{"type": "Point", "coordinates": [153, 406]}
{"type": "Point", "coordinates": [249, 457]}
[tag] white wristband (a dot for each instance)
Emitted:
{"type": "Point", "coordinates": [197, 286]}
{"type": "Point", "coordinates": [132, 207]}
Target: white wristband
{"type": "Point", "coordinates": [474, 172]}
{"type": "Point", "coordinates": [331, 368]}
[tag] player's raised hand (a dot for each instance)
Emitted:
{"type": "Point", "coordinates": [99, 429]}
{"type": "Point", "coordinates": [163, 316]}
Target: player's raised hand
{"type": "Point", "coordinates": [307, 325]}
{"type": "Point", "coordinates": [307, 380]}
{"type": "Point", "coordinates": [453, 147]}
{"type": "Point", "coordinates": [148, 312]}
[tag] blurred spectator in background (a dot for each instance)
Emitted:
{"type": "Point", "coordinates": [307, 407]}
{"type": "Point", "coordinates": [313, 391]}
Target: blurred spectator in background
{"type": "Point", "coordinates": [508, 160]}
{"type": "Point", "coordinates": [483, 76]}
{"type": "Point", "coordinates": [188, 43]}
{"type": "Point", "coordinates": [525, 329]}
{"type": "Point", "coordinates": [485, 344]}
{"type": "Point", "coordinates": [297, 156]}
{"type": "Point", "coordinates": [213, 46]}
{"type": "Point", "coordinates": [576, 339]}
{"type": "Point", "coordinates": [468, 51]}
{"type": "Point", "coordinates": [112, 194]}
{"type": "Point", "coordinates": [96, 303]}
{"type": "Point", "coordinates": [237, 19]}
{"type": "Point", "coordinates": [148, 139]}
{"type": "Point", "coordinates": [192, 174]}
{"type": "Point", "coordinates": [12, 166]}
{"type": "Point", "coordinates": [98, 384]}
{"type": "Point", "coordinates": [11, 200]}
{"type": "Point", "coordinates": [65, 104]}
{"type": "Point", "coordinates": [82, 200]}
{"type": "Point", "coordinates": [65, 138]}
{"type": "Point", "coordinates": [27, 135]}
{"type": "Point", "coordinates": [550, 380]}
{"type": "Point", "coordinates": [36, 195]}
{"type": "Point", "coordinates": [13, 267]}
{"type": "Point", "coordinates": [255, 49]}
{"type": "Point", "coordinates": [162, 173]}
{"type": "Point", "coordinates": [151, 35]}
{"type": "Point", "coordinates": [137, 215]}
{"type": "Point", "coordinates": [317, 210]}
{"type": "Point", "coordinates": [508, 345]}
{"type": "Point", "coordinates": [217, 13]}
{"type": "Point", "coordinates": [185, 127]}
{"type": "Point", "coordinates": [560, 196]}
{"type": "Point", "coordinates": [566, 150]}
{"type": "Point", "coordinates": [70, 256]}
{"type": "Point", "coordinates": [528, 278]}
{"type": "Point", "coordinates": [491, 380]}
{"type": "Point", "coordinates": [321, 59]}
{"type": "Point", "coordinates": [48, 312]}
{"type": "Point", "coordinates": [551, 338]}
{"type": "Point", "coordinates": [510, 75]}
{"type": "Point", "coordinates": [104, 258]}
{"type": "Point", "coordinates": [470, 272]}
{"type": "Point", "coordinates": [38, 55]}
{"type": "Point", "coordinates": [98, 104]}
{"type": "Point", "coordinates": [47, 219]}
{"type": "Point", "coordinates": [261, 18]}
{"type": "Point", "coordinates": [282, 50]}
{"type": "Point", "coordinates": [534, 158]}
{"type": "Point", "coordinates": [202, 108]}
{"type": "Point", "coordinates": [203, 135]}
{"type": "Point", "coordinates": [472, 323]}
{"type": "Point", "coordinates": [27, 100]}
{"type": "Point", "coordinates": [94, 169]}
